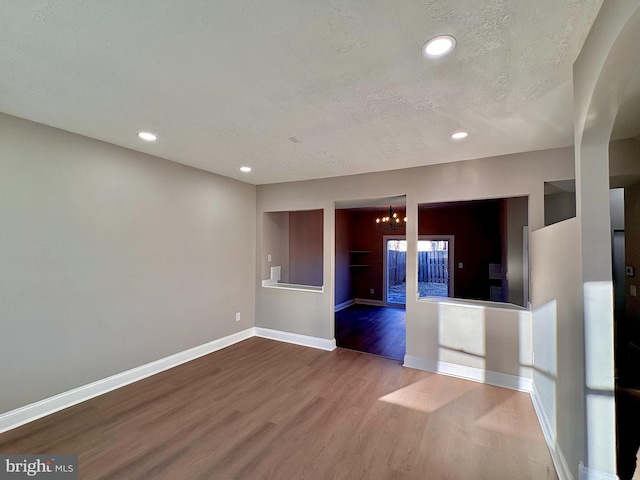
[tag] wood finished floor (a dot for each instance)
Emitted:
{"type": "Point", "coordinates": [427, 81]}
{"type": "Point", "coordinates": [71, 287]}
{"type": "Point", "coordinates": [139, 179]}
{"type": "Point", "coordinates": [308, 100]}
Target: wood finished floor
{"type": "Point", "coordinates": [265, 409]}
{"type": "Point", "coordinates": [370, 329]}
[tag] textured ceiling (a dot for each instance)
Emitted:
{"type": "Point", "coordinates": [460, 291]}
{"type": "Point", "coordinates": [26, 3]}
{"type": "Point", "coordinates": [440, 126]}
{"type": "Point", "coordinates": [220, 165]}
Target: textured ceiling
{"type": "Point", "coordinates": [228, 83]}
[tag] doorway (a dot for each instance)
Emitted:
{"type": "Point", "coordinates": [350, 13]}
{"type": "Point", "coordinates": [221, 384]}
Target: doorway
{"type": "Point", "coordinates": [364, 321]}
{"type": "Point", "coordinates": [395, 270]}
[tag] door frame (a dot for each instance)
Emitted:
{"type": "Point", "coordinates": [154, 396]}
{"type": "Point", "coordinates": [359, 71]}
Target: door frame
{"type": "Point", "coordinates": [385, 240]}
{"type": "Point", "coordinates": [451, 255]}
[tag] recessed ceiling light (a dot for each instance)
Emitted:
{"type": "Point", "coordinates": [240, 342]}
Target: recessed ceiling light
{"type": "Point", "coordinates": [148, 136]}
{"type": "Point", "coordinates": [245, 169]}
{"type": "Point", "coordinates": [459, 135]}
{"type": "Point", "coordinates": [439, 46]}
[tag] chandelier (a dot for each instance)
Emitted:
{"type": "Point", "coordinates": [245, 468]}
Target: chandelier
{"type": "Point", "coordinates": [390, 222]}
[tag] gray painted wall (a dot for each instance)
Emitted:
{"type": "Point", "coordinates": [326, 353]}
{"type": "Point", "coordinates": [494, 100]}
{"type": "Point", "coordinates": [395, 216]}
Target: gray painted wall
{"type": "Point", "coordinates": [559, 207]}
{"type": "Point", "coordinates": [111, 259]}
{"type": "Point", "coordinates": [311, 313]}
{"type": "Point", "coordinates": [558, 334]}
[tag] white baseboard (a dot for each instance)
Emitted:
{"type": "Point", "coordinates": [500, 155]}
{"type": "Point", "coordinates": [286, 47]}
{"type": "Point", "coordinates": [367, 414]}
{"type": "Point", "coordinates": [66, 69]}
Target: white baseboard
{"type": "Point", "coordinates": [375, 303]}
{"type": "Point", "coordinates": [42, 408]}
{"type": "Point", "coordinates": [34, 411]}
{"type": "Point", "coordinates": [304, 340]}
{"type": "Point", "coordinates": [366, 301]}
{"type": "Point", "coordinates": [592, 474]}
{"type": "Point", "coordinates": [343, 305]}
{"type": "Point", "coordinates": [559, 461]}
{"type": "Point", "coordinates": [498, 379]}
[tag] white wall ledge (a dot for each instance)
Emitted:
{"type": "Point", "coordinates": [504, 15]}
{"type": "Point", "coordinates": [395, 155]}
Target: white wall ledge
{"type": "Point", "coordinates": [274, 282]}
{"type": "Point", "coordinates": [462, 302]}
{"type": "Point", "coordinates": [293, 286]}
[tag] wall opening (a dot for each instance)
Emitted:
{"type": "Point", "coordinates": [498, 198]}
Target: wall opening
{"type": "Point", "coordinates": [293, 248]}
{"type": "Point", "coordinates": [490, 258]}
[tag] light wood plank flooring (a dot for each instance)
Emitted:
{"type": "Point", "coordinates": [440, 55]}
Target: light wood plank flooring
{"type": "Point", "coordinates": [265, 409]}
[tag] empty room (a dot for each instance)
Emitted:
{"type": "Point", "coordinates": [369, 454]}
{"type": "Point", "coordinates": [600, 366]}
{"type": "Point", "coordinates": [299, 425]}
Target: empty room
{"type": "Point", "coordinates": [322, 240]}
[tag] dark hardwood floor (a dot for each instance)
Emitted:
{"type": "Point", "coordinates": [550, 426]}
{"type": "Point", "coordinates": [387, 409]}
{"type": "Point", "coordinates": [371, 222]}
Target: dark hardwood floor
{"type": "Point", "coordinates": [370, 329]}
{"type": "Point", "coordinates": [262, 409]}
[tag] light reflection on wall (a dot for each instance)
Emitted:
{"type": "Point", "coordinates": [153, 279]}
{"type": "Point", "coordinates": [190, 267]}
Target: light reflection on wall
{"type": "Point", "coordinates": [478, 340]}
{"type": "Point", "coordinates": [599, 399]}
{"type": "Point", "coordinates": [545, 368]}
{"type": "Point", "coordinates": [461, 331]}
{"type": "Point", "coordinates": [525, 344]}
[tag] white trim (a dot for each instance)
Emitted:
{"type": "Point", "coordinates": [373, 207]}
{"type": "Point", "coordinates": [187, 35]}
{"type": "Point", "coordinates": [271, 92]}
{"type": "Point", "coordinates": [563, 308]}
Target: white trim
{"type": "Point", "coordinates": [385, 274]}
{"type": "Point", "coordinates": [562, 467]}
{"type": "Point", "coordinates": [29, 413]}
{"type": "Point", "coordinates": [293, 286]}
{"type": "Point", "coordinates": [343, 305]}
{"type": "Point", "coordinates": [366, 301]}
{"type": "Point", "coordinates": [475, 374]}
{"type": "Point", "coordinates": [450, 256]}
{"type": "Point", "coordinates": [297, 339]}
{"type": "Point", "coordinates": [466, 302]}
{"type": "Point", "coordinates": [592, 474]}
{"type": "Point", "coordinates": [525, 263]}
{"type": "Point", "coordinates": [274, 282]}
{"type": "Point", "coordinates": [34, 411]}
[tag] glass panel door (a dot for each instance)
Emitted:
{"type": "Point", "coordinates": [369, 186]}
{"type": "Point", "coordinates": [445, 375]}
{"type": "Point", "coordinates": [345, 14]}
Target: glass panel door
{"type": "Point", "coordinates": [434, 268]}
{"type": "Point", "coordinates": [396, 271]}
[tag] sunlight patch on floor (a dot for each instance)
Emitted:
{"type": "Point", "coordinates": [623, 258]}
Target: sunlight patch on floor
{"type": "Point", "coordinates": [421, 396]}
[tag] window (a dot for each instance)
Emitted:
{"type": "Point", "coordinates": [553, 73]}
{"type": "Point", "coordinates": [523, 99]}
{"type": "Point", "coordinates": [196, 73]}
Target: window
{"type": "Point", "coordinates": [491, 251]}
{"type": "Point", "coordinates": [435, 266]}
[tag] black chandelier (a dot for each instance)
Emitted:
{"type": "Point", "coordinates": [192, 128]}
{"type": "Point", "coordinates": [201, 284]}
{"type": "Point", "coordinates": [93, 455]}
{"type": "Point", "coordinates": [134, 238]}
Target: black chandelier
{"type": "Point", "coordinates": [390, 222]}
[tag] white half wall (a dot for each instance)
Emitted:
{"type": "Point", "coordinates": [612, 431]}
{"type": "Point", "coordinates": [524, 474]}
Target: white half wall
{"type": "Point", "coordinates": [558, 340]}
{"type": "Point", "coordinates": [482, 341]}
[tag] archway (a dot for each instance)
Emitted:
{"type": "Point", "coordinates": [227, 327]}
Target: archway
{"type": "Point", "coordinates": [601, 77]}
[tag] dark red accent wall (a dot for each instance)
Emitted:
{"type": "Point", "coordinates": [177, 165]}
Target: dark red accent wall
{"type": "Point", "coordinates": [476, 228]}
{"type": "Point", "coordinates": [367, 268]}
